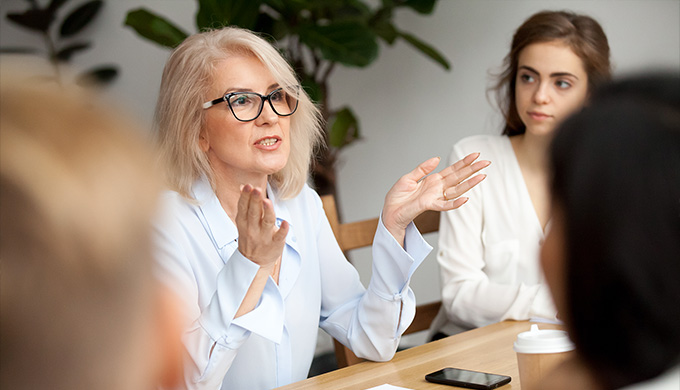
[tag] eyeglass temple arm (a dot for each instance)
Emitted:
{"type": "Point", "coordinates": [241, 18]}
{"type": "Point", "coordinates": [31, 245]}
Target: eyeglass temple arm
{"type": "Point", "coordinates": [211, 103]}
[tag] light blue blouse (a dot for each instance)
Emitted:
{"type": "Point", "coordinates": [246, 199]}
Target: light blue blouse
{"type": "Point", "coordinates": [274, 344]}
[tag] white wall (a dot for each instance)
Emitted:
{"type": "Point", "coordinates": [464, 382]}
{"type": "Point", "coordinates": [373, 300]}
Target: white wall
{"type": "Point", "coordinates": [409, 108]}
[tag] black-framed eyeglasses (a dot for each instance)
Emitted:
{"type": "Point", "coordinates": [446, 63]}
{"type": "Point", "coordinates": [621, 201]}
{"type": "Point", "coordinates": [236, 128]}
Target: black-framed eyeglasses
{"type": "Point", "coordinates": [247, 106]}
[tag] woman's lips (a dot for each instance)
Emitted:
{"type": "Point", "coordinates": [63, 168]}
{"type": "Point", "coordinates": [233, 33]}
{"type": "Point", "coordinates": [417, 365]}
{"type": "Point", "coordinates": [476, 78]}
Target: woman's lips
{"type": "Point", "coordinates": [538, 115]}
{"type": "Point", "coordinates": [268, 143]}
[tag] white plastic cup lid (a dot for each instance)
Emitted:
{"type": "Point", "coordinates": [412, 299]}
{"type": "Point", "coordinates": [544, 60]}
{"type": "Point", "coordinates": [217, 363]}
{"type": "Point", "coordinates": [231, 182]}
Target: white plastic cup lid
{"type": "Point", "coordinates": [543, 341]}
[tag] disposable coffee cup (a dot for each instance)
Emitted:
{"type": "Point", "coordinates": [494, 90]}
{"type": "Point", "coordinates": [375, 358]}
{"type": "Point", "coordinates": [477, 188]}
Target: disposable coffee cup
{"type": "Point", "coordinates": [539, 351]}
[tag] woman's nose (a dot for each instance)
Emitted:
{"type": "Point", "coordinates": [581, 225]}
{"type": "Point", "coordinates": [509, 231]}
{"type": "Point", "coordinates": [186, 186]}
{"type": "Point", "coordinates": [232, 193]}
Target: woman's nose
{"type": "Point", "coordinates": [267, 116]}
{"type": "Point", "coordinates": [542, 94]}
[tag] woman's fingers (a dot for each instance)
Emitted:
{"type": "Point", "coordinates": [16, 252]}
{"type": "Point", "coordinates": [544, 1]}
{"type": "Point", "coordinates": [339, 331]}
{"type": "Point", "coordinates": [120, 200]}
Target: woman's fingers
{"type": "Point", "coordinates": [459, 189]}
{"type": "Point", "coordinates": [423, 169]}
{"type": "Point", "coordinates": [255, 207]}
{"type": "Point", "coordinates": [268, 217]}
{"type": "Point", "coordinates": [258, 210]}
{"type": "Point", "coordinates": [466, 165]}
{"type": "Point", "coordinates": [243, 201]}
{"type": "Point", "coordinates": [462, 169]}
{"type": "Point", "coordinates": [469, 159]}
{"type": "Point", "coordinates": [419, 190]}
{"type": "Point", "coordinates": [281, 233]}
{"type": "Point", "coordinates": [259, 239]}
{"type": "Point", "coordinates": [459, 178]}
{"type": "Point", "coordinates": [460, 165]}
{"type": "Point", "coordinates": [457, 203]}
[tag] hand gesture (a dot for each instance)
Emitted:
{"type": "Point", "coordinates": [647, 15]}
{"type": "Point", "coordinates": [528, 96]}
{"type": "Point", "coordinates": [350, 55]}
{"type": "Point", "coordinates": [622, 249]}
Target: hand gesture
{"type": "Point", "coordinates": [259, 240]}
{"type": "Point", "coordinates": [419, 190]}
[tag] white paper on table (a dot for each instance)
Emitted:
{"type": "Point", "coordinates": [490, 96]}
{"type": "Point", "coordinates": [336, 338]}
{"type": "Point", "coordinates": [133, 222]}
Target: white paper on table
{"type": "Point", "coordinates": [388, 387]}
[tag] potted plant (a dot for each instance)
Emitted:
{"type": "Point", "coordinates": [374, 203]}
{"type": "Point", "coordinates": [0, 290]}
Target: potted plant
{"type": "Point", "coordinates": [61, 43]}
{"type": "Point", "coordinates": [314, 36]}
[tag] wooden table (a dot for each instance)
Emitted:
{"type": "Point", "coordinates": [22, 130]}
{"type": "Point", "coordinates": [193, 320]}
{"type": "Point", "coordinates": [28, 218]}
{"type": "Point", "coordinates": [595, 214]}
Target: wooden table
{"type": "Point", "coordinates": [487, 349]}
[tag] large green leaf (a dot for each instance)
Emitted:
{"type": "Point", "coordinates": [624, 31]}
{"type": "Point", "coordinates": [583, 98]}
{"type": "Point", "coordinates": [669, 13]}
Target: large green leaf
{"type": "Point", "coordinates": [421, 6]}
{"type": "Point", "coordinates": [66, 53]}
{"type": "Point", "coordinates": [155, 28]}
{"type": "Point", "coordinates": [33, 19]}
{"type": "Point", "coordinates": [381, 24]}
{"type": "Point", "coordinates": [270, 27]}
{"type": "Point", "coordinates": [345, 128]}
{"type": "Point", "coordinates": [80, 17]}
{"type": "Point", "coordinates": [426, 49]}
{"type": "Point", "coordinates": [17, 50]}
{"type": "Point", "coordinates": [347, 10]}
{"type": "Point", "coordinates": [219, 13]}
{"type": "Point", "coordinates": [312, 88]}
{"type": "Point", "coordinates": [98, 76]}
{"type": "Point", "coordinates": [349, 43]}
{"type": "Point", "coordinates": [288, 10]}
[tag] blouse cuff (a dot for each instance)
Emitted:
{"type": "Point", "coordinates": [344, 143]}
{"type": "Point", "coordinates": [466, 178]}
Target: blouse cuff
{"type": "Point", "coordinates": [233, 283]}
{"type": "Point", "coordinates": [266, 319]}
{"type": "Point", "coordinates": [392, 264]}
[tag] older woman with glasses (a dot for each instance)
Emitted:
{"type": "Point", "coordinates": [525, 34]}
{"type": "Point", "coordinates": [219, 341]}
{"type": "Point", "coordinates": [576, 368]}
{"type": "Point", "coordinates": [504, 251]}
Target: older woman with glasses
{"type": "Point", "coordinates": [246, 242]}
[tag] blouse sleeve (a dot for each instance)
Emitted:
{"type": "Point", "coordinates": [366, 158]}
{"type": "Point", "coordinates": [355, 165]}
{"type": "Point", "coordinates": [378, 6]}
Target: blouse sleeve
{"type": "Point", "coordinates": [369, 321]}
{"type": "Point", "coordinates": [469, 297]}
{"type": "Point", "coordinates": [212, 336]}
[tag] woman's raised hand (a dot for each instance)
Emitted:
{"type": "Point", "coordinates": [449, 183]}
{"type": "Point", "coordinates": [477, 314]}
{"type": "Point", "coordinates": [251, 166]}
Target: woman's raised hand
{"type": "Point", "coordinates": [259, 240]}
{"type": "Point", "coordinates": [419, 190]}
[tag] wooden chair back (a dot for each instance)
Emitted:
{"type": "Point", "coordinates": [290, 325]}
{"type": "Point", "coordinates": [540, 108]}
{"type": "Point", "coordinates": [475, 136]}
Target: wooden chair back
{"type": "Point", "coordinates": [359, 234]}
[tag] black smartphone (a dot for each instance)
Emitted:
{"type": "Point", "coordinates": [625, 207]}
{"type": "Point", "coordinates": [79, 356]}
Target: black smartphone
{"type": "Point", "coordinates": [468, 379]}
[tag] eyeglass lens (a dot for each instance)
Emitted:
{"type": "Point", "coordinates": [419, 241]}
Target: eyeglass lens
{"type": "Point", "coordinates": [247, 106]}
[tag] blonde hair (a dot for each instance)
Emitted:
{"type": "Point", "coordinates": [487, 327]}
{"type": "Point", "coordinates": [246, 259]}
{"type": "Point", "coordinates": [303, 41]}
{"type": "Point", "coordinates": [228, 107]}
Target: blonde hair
{"type": "Point", "coordinates": [77, 196]}
{"type": "Point", "coordinates": [179, 116]}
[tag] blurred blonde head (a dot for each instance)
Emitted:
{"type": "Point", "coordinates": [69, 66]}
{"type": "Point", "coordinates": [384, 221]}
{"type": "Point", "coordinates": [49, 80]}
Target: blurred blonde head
{"type": "Point", "coordinates": [78, 192]}
{"type": "Point", "coordinates": [185, 87]}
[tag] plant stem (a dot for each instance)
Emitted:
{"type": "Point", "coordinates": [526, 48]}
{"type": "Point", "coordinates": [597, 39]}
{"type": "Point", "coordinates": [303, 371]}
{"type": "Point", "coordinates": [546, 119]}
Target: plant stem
{"type": "Point", "coordinates": [327, 73]}
{"type": "Point", "coordinates": [52, 54]}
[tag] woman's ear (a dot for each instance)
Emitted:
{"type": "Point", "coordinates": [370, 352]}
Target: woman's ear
{"type": "Point", "coordinates": [203, 142]}
{"type": "Point", "coordinates": [170, 350]}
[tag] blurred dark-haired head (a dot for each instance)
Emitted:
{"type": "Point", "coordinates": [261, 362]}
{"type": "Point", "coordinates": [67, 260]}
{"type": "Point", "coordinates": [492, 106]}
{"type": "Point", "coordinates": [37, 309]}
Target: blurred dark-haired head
{"type": "Point", "coordinates": [616, 188]}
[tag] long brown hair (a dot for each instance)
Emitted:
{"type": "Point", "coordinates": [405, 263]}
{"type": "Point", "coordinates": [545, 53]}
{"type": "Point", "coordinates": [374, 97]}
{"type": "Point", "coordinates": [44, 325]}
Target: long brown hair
{"type": "Point", "coordinates": [581, 33]}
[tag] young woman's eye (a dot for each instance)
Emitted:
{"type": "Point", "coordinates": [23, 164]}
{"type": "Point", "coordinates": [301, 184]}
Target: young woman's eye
{"type": "Point", "coordinates": [527, 78]}
{"type": "Point", "coordinates": [561, 84]}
